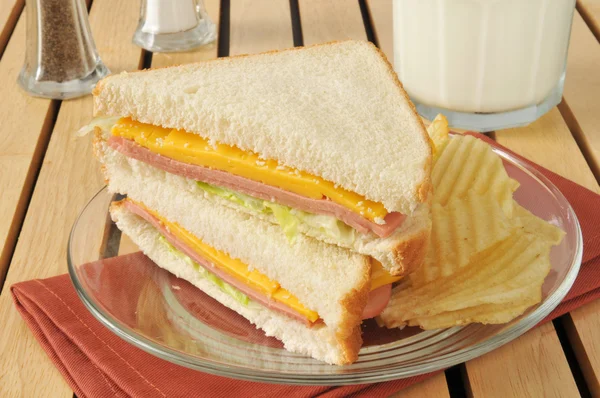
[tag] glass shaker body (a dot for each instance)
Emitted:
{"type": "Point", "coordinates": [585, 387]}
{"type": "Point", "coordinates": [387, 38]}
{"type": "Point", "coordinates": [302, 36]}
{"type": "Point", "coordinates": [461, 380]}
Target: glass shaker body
{"type": "Point", "coordinates": [61, 60]}
{"type": "Point", "coordinates": [173, 25]}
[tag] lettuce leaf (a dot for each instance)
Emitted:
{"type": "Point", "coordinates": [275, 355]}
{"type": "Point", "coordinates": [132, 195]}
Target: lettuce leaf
{"type": "Point", "coordinates": [285, 218]}
{"type": "Point", "coordinates": [104, 122]}
{"type": "Point", "coordinates": [220, 283]}
{"type": "Point", "coordinates": [288, 218]}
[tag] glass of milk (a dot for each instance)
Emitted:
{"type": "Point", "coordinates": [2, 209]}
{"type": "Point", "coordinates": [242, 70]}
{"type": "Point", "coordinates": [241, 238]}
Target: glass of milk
{"type": "Point", "coordinates": [173, 25]}
{"type": "Point", "coordinates": [485, 64]}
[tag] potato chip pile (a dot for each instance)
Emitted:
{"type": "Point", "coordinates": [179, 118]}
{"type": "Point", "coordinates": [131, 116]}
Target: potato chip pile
{"type": "Point", "coordinates": [487, 256]}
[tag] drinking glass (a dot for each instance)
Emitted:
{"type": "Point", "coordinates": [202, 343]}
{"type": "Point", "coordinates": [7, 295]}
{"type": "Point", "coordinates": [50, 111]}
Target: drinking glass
{"type": "Point", "coordinates": [485, 64]}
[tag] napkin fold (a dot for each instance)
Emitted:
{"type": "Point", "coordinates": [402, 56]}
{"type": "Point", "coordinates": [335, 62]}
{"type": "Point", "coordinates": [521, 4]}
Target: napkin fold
{"type": "Point", "coordinates": [95, 362]}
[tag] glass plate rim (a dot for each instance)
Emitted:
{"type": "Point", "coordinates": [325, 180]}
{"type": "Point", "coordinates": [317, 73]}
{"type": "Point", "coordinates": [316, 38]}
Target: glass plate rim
{"type": "Point", "coordinates": [365, 376]}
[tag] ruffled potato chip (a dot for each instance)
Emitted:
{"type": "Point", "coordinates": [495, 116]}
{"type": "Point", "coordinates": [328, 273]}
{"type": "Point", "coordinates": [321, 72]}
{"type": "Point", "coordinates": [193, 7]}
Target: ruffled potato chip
{"type": "Point", "coordinates": [488, 256]}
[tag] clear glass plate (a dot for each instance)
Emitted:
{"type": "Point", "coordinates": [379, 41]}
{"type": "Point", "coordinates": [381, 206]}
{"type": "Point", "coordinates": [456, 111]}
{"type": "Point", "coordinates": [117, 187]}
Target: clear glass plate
{"type": "Point", "coordinates": [173, 320]}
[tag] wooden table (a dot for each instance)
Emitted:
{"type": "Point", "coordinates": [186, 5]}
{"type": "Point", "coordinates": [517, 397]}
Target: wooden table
{"type": "Point", "coordinates": [46, 176]}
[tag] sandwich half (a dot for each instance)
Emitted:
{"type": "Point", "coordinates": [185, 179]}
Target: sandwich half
{"type": "Point", "coordinates": [311, 295]}
{"type": "Point", "coordinates": [321, 141]}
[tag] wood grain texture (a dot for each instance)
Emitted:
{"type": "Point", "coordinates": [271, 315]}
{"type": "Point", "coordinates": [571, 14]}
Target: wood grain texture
{"type": "Point", "coordinates": [327, 20]}
{"type": "Point", "coordinates": [343, 20]}
{"type": "Point", "coordinates": [531, 366]}
{"type": "Point", "coordinates": [69, 177]}
{"type": "Point", "coordinates": [259, 25]}
{"type": "Point", "coordinates": [434, 387]}
{"type": "Point", "coordinates": [382, 21]}
{"type": "Point", "coordinates": [127, 246]}
{"type": "Point", "coordinates": [9, 15]}
{"type": "Point", "coordinates": [25, 128]}
{"type": "Point", "coordinates": [547, 140]}
{"type": "Point", "coordinates": [590, 9]}
{"type": "Point", "coordinates": [582, 91]}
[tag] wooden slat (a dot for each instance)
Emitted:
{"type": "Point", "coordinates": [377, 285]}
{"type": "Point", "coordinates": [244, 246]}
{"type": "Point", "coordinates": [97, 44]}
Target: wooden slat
{"type": "Point", "coordinates": [328, 20]}
{"type": "Point", "coordinates": [259, 26]}
{"type": "Point", "coordinates": [590, 9]}
{"type": "Point", "coordinates": [324, 21]}
{"type": "Point", "coordinates": [382, 21]}
{"type": "Point", "coordinates": [9, 14]}
{"type": "Point", "coordinates": [583, 330]}
{"type": "Point", "coordinates": [127, 246]}
{"type": "Point", "coordinates": [434, 387]}
{"type": "Point", "coordinates": [505, 373]}
{"type": "Point", "coordinates": [582, 88]}
{"type": "Point", "coordinates": [24, 129]}
{"type": "Point", "coordinates": [516, 353]}
{"type": "Point", "coordinates": [550, 135]}
{"type": "Point", "coordinates": [68, 179]}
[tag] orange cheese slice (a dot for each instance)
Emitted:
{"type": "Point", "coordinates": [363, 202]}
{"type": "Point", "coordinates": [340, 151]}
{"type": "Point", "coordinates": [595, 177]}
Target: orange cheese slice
{"type": "Point", "coordinates": [193, 149]}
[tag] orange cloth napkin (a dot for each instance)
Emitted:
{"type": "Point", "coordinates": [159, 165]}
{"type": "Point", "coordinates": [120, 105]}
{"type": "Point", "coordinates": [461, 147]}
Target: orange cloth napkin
{"type": "Point", "coordinates": [97, 363]}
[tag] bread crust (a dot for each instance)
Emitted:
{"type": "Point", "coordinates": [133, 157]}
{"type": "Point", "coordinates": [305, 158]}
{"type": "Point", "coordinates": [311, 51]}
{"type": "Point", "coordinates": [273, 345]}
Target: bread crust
{"type": "Point", "coordinates": [349, 332]}
{"type": "Point", "coordinates": [409, 254]}
{"type": "Point", "coordinates": [98, 151]}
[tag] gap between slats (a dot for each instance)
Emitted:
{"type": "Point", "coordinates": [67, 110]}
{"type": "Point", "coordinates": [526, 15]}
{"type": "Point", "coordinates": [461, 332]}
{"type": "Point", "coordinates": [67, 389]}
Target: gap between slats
{"type": "Point", "coordinates": [11, 24]}
{"type": "Point", "coordinates": [589, 20]}
{"type": "Point", "coordinates": [579, 137]}
{"type": "Point", "coordinates": [296, 23]}
{"type": "Point", "coordinates": [560, 325]}
{"type": "Point", "coordinates": [224, 22]}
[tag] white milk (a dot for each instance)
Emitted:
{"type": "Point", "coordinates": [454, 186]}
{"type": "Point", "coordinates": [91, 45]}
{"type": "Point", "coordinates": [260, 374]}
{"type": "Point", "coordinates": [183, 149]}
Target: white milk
{"type": "Point", "coordinates": [481, 55]}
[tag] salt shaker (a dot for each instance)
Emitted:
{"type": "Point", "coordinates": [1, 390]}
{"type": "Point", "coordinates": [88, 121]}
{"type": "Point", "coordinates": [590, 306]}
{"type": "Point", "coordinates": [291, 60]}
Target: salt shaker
{"type": "Point", "coordinates": [173, 25]}
{"type": "Point", "coordinates": [61, 60]}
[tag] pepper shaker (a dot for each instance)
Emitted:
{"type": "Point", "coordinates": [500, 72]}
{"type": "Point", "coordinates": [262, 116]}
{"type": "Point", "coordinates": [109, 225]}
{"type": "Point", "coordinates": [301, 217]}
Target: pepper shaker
{"type": "Point", "coordinates": [173, 25]}
{"type": "Point", "coordinates": [61, 60]}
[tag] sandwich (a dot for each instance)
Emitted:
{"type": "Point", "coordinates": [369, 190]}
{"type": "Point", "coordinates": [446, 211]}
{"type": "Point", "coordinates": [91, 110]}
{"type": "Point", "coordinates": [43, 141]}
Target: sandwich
{"type": "Point", "coordinates": [322, 141]}
{"type": "Point", "coordinates": [293, 187]}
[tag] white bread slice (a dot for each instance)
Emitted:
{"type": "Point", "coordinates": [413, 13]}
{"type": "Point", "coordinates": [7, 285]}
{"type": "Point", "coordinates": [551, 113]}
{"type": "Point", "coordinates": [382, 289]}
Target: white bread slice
{"type": "Point", "coordinates": [399, 253]}
{"type": "Point", "coordinates": [321, 342]}
{"type": "Point", "coordinates": [335, 110]}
